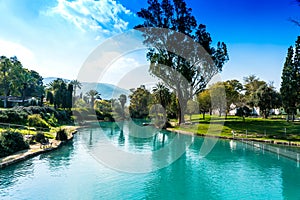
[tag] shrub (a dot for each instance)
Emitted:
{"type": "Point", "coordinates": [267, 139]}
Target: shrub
{"type": "Point", "coordinates": [13, 116]}
{"type": "Point", "coordinates": [11, 142]}
{"type": "Point", "coordinates": [36, 120]}
{"type": "Point", "coordinates": [40, 137]}
{"type": "Point", "coordinates": [61, 135]}
{"type": "Point", "coordinates": [52, 120]}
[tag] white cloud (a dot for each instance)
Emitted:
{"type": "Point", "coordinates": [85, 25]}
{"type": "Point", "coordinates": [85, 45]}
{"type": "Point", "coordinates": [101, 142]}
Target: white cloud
{"type": "Point", "coordinates": [23, 54]}
{"type": "Point", "coordinates": [88, 15]}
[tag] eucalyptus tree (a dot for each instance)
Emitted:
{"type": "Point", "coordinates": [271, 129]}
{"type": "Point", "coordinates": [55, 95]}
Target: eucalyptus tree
{"type": "Point", "coordinates": [181, 36]}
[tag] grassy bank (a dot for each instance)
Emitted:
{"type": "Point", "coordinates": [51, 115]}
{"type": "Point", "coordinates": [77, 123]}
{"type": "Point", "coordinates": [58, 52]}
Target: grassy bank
{"type": "Point", "coordinates": [251, 128]}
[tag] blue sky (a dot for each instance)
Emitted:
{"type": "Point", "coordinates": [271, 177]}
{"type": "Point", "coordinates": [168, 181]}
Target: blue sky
{"type": "Point", "coordinates": [55, 37]}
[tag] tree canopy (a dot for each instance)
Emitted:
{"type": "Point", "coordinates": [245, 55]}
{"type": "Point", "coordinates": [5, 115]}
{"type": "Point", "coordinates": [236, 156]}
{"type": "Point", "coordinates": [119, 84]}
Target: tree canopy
{"type": "Point", "coordinates": [182, 54]}
{"type": "Point", "coordinates": [290, 84]}
{"type": "Point", "coordinates": [18, 81]}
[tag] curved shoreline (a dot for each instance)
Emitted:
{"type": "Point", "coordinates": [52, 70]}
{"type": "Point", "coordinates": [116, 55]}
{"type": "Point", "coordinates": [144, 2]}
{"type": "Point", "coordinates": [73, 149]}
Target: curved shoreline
{"type": "Point", "coordinates": [33, 151]}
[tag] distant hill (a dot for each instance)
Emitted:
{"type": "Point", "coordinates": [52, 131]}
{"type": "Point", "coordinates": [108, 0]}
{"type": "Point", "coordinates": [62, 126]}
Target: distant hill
{"type": "Point", "coordinates": [48, 80]}
{"type": "Point", "coordinates": [106, 90]}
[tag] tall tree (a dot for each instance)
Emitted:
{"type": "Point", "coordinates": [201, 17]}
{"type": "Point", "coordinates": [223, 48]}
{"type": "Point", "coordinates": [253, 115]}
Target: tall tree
{"type": "Point", "coordinates": [251, 85]}
{"type": "Point", "coordinates": [290, 80]}
{"type": "Point", "coordinates": [59, 89]}
{"type": "Point", "coordinates": [218, 97]}
{"type": "Point", "coordinates": [266, 98]}
{"type": "Point", "coordinates": [232, 89]}
{"type": "Point", "coordinates": [288, 87]}
{"type": "Point", "coordinates": [5, 83]}
{"type": "Point", "coordinates": [161, 94]}
{"type": "Point", "coordinates": [139, 102]}
{"type": "Point", "coordinates": [204, 101]}
{"type": "Point", "coordinates": [186, 76]}
{"type": "Point", "coordinates": [76, 84]}
{"type": "Point", "coordinates": [93, 94]}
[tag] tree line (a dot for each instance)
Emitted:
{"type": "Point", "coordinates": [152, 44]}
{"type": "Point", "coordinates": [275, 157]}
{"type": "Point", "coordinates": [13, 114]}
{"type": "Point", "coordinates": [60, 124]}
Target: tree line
{"type": "Point", "coordinates": [15, 80]}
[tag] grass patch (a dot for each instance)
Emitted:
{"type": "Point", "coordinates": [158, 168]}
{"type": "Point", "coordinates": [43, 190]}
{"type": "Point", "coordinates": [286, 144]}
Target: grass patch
{"type": "Point", "coordinates": [254, 127]}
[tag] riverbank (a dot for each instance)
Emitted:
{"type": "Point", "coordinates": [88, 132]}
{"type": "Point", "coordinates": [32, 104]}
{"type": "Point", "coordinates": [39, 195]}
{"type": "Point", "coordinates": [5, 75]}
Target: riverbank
{"type": "Point", "coordinates": [274, 146]}
{"type": "Point", "coordinates": [34, 150]}
{"type": "Point", "coordinates": [262, 140]}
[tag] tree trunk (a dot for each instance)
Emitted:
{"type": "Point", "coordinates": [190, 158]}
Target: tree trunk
{"type": "Point", "coordinates": [203, 115]}
{"type": "Point", "coordinates": [180, 114]}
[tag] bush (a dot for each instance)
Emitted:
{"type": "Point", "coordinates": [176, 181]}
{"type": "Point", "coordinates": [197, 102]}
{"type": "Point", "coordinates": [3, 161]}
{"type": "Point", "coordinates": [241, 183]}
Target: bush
{"type": "Point", "coordinates": [36, 120]}
{"type": "Point", "coordinates": [61, 135]}
{"type": "Point", "coordinates": [52, 120]}
{"type": "Point", "coordinates": [13, 116]}
{"type": "Point", "coordinates": [11, 142]}
{"type": "Point", "coordinates": [40, 137]}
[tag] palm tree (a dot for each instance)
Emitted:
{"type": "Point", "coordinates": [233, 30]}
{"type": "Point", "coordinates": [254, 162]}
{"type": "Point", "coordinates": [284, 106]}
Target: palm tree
{"type": "Point", "coordinates": [93, 94]}
{"type": "Point", "coordinates": [161, 94]}
{"type": "Point", "coordinates": [76, 84]}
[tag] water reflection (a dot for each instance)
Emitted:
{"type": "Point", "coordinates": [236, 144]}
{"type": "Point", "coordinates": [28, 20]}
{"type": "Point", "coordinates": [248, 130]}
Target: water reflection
{"type": "Point", "coordinates": [14, 173]}
{"type": "Point", "coordinates": [60, 157]}
{"type": "Point", "coordinates": [231, 171]}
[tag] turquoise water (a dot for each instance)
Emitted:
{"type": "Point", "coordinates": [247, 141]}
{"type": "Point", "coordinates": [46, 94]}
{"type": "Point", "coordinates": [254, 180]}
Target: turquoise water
{"type": "Point", "coordinates": [232, 170]}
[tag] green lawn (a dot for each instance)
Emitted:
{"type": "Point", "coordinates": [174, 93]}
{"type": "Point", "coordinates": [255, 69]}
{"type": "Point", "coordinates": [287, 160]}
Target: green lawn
{"type": "Point", "coordinates": [255, 127]}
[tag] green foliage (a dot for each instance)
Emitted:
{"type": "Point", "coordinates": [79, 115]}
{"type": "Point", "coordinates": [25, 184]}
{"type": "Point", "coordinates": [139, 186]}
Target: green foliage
{"type": "Point", "coordinates": [18, 81]}
{"type": "Point", "coordinates": [76, 84]}
{"type": "Point", "coordinates": [83, 113]}
{"type": "Point", "coordinates": [252, 84]}
{"type": "Point", "coordinates": [267, 98]}
{"type": "Point", "coordinates": [192, 107]}
{"type": "Point", "coordinates": [290, 84]}
{"type": "Point", "coordinates": [61, 93]}
{"type": "Point", "coordinates": [243, 111]}
{"type": "Point", "coordinates": [36, 120]}
{"type": "Point", "coordinates": [61, 135]}
{"type": "Point", "coordinates": [173, 107]}
{"type": "Point", "coordinates": [139, 102]}
{"type": "Point", "coordinates": [13, 116]}
{"type": "Point", "coordinates": [11, 142]}
{"type": "Point", "coordinates": [218, 97]}
{"type": "Point", "coordinates": [80, 103]}
{"type": "Point", "coordinates": [93, 94]}
{"type": "Point", "coordinates": [166, 63]}
{"type": "Point", "coordinates": [52, 121]}
{"type": "Point", "coordinates": [103, 110]}
{"type": "Point", "coordinates": [204, 101]}
{"type": "Point", "coordinates": [40, 137]}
